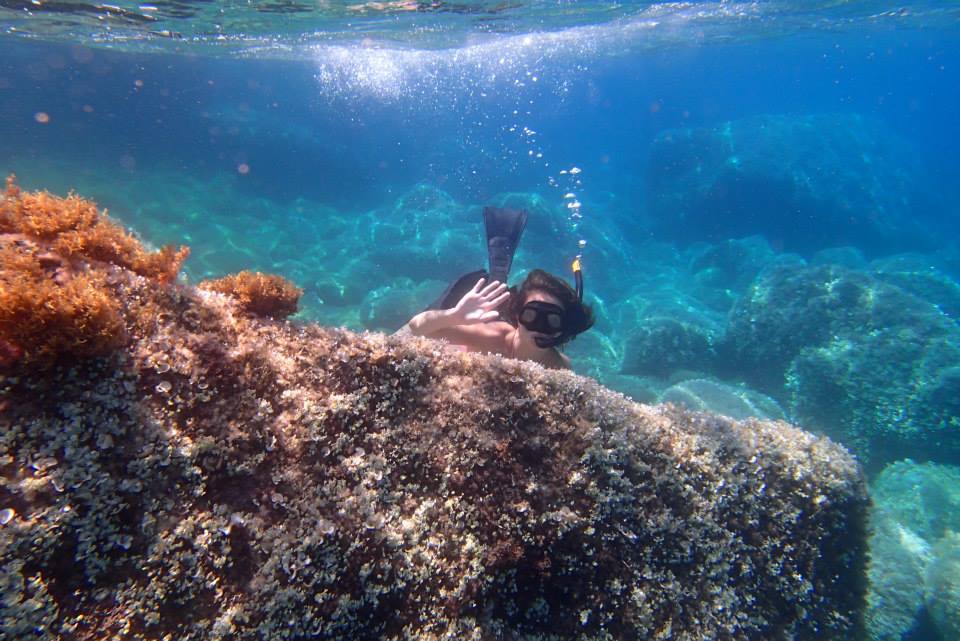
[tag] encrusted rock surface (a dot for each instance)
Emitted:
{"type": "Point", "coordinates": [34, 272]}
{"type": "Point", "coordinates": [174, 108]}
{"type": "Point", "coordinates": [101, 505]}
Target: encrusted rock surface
{"type": "Point", "coordinates": [228, 477]}
{"type": "Point", "coordinates": [223, 476]}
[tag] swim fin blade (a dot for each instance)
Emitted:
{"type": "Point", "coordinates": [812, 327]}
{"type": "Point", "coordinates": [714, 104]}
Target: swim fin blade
{"type": "Point", "coordinates": [504, 229]}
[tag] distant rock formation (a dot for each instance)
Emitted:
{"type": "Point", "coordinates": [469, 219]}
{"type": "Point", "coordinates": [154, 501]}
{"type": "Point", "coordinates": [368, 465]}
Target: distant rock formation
{"type": "Point", "coordinates": [217, 475]}
{"type": "Point", "coordinates": [865, 361]}
{"type": "Point", "coordinates": [805, 182]}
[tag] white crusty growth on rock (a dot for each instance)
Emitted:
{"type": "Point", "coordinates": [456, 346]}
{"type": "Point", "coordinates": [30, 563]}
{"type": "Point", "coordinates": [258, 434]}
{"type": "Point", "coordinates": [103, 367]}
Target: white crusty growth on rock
{"type": "Point", "coordinates": [223, 476]}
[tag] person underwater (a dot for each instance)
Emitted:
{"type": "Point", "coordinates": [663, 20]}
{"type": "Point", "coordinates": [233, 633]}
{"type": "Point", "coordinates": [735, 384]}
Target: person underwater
{"type": "Point", "coordinates": [479, 313]}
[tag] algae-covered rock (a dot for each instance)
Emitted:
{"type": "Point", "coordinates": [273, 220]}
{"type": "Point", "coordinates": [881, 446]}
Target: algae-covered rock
{"type": "Point", "coordinates": [224, 476]}
{"type": "Point", "coordinates": [734, 262]}
{"type": "Point", "coordinates": [660, 346]}
{"type": "Point", "coordinates": [388, 308]}
{"type": "Point", "coordinates": [231, 477]}
{"type": "Point", "coordinates": [850, 257]}
{"type": "Point", "coordinates": [898, 562]}
{"type": "Point", "coordinates": [863, 360]}
{"type": "Point", "coordinates": [943, 586]}
{"type": "Point", "coordinates": [916, 508]}
{"type": "Point", "coordinates": [923, 277]}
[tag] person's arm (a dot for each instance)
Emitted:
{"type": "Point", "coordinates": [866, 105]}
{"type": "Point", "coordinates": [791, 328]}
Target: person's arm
{"type": "Point", "coordinates": [428, 322]}
{"type": "Point", "coordinates": [479, 305]}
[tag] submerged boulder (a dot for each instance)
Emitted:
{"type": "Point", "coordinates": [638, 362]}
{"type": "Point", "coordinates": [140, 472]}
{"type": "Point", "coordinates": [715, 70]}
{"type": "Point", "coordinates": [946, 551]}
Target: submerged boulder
{"type": "Point", "coordinates": [804, 182]}
{"type": "Point", "coordinates": [216, 475]}
{"type": "Point", "coordinates": [661, 346]}
{"type": "Point", "coordinates": [706, 395]}
{"type": "Point", "coordinates": [943, 586]}
{"type": "Point", "coordinates": [914, 560]}
{"type": "Point", "coordinates": [867, 362]}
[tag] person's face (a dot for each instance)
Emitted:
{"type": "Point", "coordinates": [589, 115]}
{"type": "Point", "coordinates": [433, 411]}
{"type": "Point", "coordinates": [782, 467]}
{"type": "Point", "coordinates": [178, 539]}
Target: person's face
{"type": "Point", "coordinates": [543, 297]}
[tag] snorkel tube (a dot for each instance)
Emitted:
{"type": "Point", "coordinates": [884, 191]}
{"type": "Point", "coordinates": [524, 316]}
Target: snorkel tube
{"type": "Point", "coordinates": [578, 278]}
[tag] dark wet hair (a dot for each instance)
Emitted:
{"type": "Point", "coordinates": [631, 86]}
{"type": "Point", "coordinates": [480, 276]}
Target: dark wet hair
{"type": "Point", "coordinates": [578, 315]}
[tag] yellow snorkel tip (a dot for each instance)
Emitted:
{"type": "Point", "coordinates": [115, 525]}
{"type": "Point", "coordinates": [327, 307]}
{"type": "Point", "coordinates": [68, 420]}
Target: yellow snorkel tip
{"type": "Point", "coordinates": [578, 277]}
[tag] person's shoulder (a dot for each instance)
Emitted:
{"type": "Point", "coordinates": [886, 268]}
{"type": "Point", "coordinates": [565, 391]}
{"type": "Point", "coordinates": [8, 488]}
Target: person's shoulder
{"type": "Point", "coordinates": [558, 360]}
{"type": "Point", "coordinates": [478, 337]}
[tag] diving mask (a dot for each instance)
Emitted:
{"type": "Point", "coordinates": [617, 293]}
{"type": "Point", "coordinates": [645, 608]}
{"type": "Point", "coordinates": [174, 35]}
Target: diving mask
{"type": "Point", "coordinates": [542, 317]}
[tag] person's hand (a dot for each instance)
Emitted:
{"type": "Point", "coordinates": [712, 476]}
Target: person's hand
{"type": "Point", "coordinates": [480, 304]}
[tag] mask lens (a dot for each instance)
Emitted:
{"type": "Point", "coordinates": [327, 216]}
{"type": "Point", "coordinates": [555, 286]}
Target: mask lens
{"type": "Point", "coordinates": [554, 321]}
{"type": "Point", "coordinates": [527, 316]}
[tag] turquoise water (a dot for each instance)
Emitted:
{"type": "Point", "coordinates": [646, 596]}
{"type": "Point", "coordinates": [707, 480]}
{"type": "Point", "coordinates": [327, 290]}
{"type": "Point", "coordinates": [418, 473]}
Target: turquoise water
{"type": "Point", "coordinates": [768, 193]}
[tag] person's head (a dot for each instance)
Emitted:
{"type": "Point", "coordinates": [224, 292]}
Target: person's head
{"type": "Point", "coordinates": [547, 307]}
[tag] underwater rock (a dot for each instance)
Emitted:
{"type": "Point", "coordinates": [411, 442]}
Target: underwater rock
{"type": "Point", "coordinates": [723, 271]}
{"type": "Point", "coordinates": [862, 360]}
{"type": "Point", "coordinates": [705, 395]}
{"type": "Point", "coordinates": [804, 182]}
{"type": "Point", "coordinates": [916, 509]}
{"type": "Point", "coordinates": [424, 234]}
{"type": "Point", "coordinates": [924, 497]}
{"type": "Point", "coordinates": [943, 586]}
{"type": "Point", "coordinates": [732, 263]}
{"type": "Point", "coordinates": [388, 308]}
{"type": "Point", "coordinates": [221, 475]}
{"type": "Point", "coordinates": [660, 346]}
{"type": "Point", "coordinates": [898, 562]}
{"type": "Point", "coordinates": [641, 389]}
{"type": "Point", "coordinates": [922, 277]}
{"type": "Point", "coordinates": [595, 354]}
{"type": "Point", "coordinates": [850, 257]}
{"type": "Point", "coordinates": [329, 290]}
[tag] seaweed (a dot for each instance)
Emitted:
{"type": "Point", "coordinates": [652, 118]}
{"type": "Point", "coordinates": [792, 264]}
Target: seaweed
{"type": "Point", "coordinates": [55, 300]}
{"type": "Point", "coordinates": [44, 316]}
{"type": "Point", "coordinates": [259, 294]}
{"type": "Point", "coordinates": [73, 227]}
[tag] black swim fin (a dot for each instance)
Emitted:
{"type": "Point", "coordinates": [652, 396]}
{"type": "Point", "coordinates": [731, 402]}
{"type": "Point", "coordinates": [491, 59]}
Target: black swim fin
{"type": "Point", "coordinates": [504, 229]}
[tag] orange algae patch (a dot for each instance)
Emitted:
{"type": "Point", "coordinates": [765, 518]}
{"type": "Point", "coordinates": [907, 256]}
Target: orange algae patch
{"type": "Point", "coordinates": [55, 300]}
{"type": "Point", "coordinates": [260, 294]}
{"type": "Point", "coordinates": [43, 317]}
{"type": "Point", "coordinates": [75, 228]}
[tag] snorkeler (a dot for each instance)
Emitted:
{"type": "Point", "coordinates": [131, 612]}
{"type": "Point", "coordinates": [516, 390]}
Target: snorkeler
{"type": "Point", "coordinates": [479, 313]}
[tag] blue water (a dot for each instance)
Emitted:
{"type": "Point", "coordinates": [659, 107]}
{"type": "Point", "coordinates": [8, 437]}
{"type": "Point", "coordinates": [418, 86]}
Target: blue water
{"type": "Point", "coordinates": [769, 190]}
